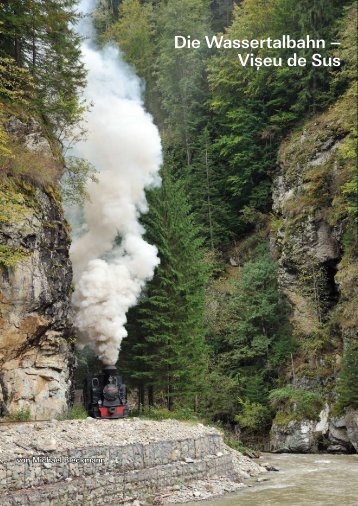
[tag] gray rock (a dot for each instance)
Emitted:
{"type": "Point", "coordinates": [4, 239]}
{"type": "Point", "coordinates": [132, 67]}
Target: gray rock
{"type": "Point", "coordinates": [336, 449]}
{"type": "Point", "coordinates": [343, 433]}
{"type": "Point", "coordinates": [351, 420]}
{"type": "Point", "coordinates": [36, 357]}
{"type": "Point", "coordinates": [30, 134]}
{"type": "Point", "coordinates": [295, 437]}
{"type": "Point", "coordinates": [306, 436]}
{"type": "Point", "coordinates": [270, 467]}
{"type": "Point", "coordinates": [46, 445]}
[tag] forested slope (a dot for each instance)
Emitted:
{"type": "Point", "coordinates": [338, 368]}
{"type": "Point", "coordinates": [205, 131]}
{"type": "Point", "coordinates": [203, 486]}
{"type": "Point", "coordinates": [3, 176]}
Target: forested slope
{"type": "Point", "coordinates": [250, 316]}
{"type": "Point", "coordinates": [274, 209]}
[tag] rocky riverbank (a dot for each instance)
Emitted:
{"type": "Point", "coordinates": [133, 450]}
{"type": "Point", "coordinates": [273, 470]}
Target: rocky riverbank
{"type": "Point", "coordinates": [303, 480]}
{"type": "Point", "coordinates": [131, 461]}
{"type": "Point", "coordinates": [331, 434]}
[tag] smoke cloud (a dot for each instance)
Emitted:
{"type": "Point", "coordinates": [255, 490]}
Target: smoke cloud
{"type": "Point", "coordinates": [111, 260]}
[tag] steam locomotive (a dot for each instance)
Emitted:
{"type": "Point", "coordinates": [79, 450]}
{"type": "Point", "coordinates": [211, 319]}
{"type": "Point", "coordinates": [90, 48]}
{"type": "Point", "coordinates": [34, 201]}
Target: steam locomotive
{"type": "Point", "coordinates": [105, 395]}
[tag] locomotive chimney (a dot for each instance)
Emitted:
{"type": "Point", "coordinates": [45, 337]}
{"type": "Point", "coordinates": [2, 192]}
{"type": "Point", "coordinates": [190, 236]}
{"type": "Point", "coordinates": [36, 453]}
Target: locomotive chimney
{"type": "Point", "coordinates": [109, 370]}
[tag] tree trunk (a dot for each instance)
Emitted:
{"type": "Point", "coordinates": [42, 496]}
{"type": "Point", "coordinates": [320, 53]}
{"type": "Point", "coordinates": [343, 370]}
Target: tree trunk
{"type": "Point", "coordinates": [151, 395]}
{"type": "Point", "coordinates": [208, 198]}
{"type": "Point", "coordinates": [140, 397]}
{"type": "Point", "coordinates": [18, 51]}
{"type": "Point", "coordinates": [169, 392]}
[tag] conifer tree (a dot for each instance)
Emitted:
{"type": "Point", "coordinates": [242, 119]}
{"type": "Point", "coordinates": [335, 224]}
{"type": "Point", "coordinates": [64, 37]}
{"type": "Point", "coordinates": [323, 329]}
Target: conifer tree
{"type": "Point", "coordinates": [16, 87]}
{"type": "Point", "coordinates": [134, 32]}
{"type": "Point", "coordinates": [255, 108]}
{"type": "Point", "coordinates": [166, 338]}
{"type": "Point", "coordinates": [180, 74]}
{"type": "Point", "coordinates": [208, 190]}
{"type": "Point", "coordinates": [40, 36]}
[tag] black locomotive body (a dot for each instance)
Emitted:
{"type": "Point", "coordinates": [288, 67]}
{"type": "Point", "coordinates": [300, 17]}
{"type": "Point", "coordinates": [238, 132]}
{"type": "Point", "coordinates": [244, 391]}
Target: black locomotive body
{"type": "Point", "coordinates": [105, 395]}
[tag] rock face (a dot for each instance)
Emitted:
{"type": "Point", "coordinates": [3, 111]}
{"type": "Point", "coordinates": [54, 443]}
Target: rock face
{"type": "Point", "coordinates": [351, 421]}
{"type": "Point", "coordinates": [317, 267]}
{"type": "Point", "coordinates": [317, 270]}
{"type": "Point", "coordinates": [307, 244]}
{"type": "Point", "coordinates": [329, 434]}
{"type": "Point", "coordinates": [35, 280]}
{"type": "Point", "coordinates": [295, 437]}
{"type": "Point", "coordinates": [96, 462]}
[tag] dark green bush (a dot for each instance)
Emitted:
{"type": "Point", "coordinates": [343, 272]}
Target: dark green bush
{"type": "Point", "coordinates": [347, 385]}
{"type": "Point", "coordinates": [296, 403]}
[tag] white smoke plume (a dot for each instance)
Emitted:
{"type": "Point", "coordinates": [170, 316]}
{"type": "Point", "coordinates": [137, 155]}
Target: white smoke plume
{"type": "Point", "coordinates": [124, 145]}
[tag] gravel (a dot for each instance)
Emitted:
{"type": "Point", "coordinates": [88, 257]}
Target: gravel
{"type": "Point", "coordinates": [64, 435]}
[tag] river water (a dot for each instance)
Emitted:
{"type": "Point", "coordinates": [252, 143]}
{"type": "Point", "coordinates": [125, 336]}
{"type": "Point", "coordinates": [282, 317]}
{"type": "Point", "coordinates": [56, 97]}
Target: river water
{"type": "Point", "coordinates": [303, 480]}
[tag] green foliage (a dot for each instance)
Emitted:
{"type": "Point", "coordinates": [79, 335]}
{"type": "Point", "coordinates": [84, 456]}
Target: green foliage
{"type": "Point", "coordinates": [347, 50]}
{"type": "Point", "coordinates": [258, 316]}
{"type": "Point", "coordinates": [313, 283]}
{"type": "Point", "coordinates": [20, 415]}
{"type": "Point", "coordinates": [222, 123]}
{"type": "Point", "coordinates": [104, 14]}
{"type": "Point", "coordinates": [16, 83]}
{"type": "Point", "coordinates": [40, 37]}
{"type": "Point", "coordinates": [12, 203]}
{"type": "Point", "coordinates": [16, 86]}
{"type": "Point", "coordinates": [222, 406]}
{"type": "Point", "coordinates": [76, 412]}
{"type": "Point", "coordinates": [87, 363]}
{"type": "Point", "coordinates": [133, 32]}
{"type": "Point", "coordinates": [11, 255]}
{"type": "Point", "coordinates": [250, 334]}
{"type": "Point", "coordinates": [180, 73]}
{"type": "Point", "coordinates": [349, 153]}
{"type": "Point", "coordinates": [254, 416]}
{"type": "Point", "coordinates": [159, 413]}
{"type": "Point", "coordinates": [165, 348]}
{"type": "Point", "coordinates": [295, 404]}
{"type": "Point", "coordinates": [255, 109]}
{"type": "Point", "coordinates": [221, 13]}
{"type": "Point", "coordinates": [347, 385]}
{"type": "Point", "coordinates": [176, 93]}
{"type": "Point", "coordinates": [205, 183]}
{"type": "Point", "coordinates": [78, 172]}
{"type": "Point", "coordinates": [237, 445]}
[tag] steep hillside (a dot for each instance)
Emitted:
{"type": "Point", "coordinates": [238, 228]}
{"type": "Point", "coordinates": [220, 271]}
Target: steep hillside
{"type": "Point", "coordinates": [35, 279]}
{"type": "Point", "coordinates": [315, 244]}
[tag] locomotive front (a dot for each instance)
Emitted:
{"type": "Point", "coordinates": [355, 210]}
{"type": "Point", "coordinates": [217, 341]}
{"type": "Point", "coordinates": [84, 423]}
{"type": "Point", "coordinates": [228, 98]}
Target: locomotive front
{"type": "Point", "coordinates": [105, 395]}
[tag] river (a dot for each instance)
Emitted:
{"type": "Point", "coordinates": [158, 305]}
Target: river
{"type": "Point", "coordinates": [303, 480]}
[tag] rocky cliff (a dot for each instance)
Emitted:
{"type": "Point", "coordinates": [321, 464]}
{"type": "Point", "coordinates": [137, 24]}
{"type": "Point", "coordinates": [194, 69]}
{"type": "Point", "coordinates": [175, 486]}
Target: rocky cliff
{"type": "Point", "coordinates": [35, 281]}
{"type": "Point", "coordinates": [314, 242]}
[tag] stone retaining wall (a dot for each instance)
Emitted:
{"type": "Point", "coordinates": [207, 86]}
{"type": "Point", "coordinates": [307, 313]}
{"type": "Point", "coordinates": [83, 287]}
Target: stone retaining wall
{"type": "Point", "coordinates": [113, 475]}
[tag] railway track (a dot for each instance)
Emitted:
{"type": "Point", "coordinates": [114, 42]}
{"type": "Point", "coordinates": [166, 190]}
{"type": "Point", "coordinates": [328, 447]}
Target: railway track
{"type": "Point", "coordinates": [11, 422]}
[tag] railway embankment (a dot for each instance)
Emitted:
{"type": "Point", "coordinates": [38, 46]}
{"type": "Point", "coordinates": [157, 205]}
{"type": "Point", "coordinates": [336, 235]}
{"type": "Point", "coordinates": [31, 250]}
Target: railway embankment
{"type": "Point", "coordinates": [130, 462]}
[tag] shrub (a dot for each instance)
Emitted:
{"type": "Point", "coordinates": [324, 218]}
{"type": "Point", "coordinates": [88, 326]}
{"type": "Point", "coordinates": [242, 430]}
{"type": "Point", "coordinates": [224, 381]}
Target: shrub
{"type": "Point", "coordinates": [347, 385]}
{"type": "Point", "coordinates": [20, 415]}
{"type": "Point", "coordinates": [37, 167]}
{"type": "Point", "coordinates": [254, 415]}
{"type": "Point", "coordinates": [296, 403]}
{"type": "Point", "coordinates": [156, 413]}
{"type": "Point", "coordinates": [237, 445]}
{"type": "Point", "coordinates": [76, 412]}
